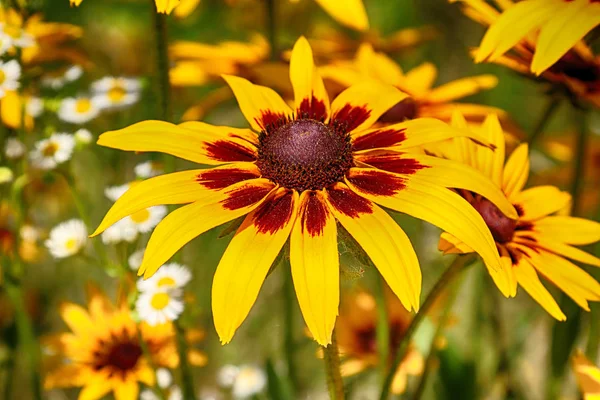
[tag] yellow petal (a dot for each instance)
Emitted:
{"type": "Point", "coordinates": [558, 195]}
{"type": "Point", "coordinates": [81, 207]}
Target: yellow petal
{"type": "Point", "coordinates": [76, 318]}
{"type": "Point", "coordinates": [11, 109]}
{"type": "Point", "coordinates": [528, 279]}
{"type": "Point", "coordinates": [75, 3]}
{"type": "Point", "coordinates": [540, 201]}
{"type": "Point", "coordinates": [382, 239]}
{"type": "Point", "coordinates": [434, 204]}
{"type": "Point", "coordinates": [315, 265]}
{"type": "Point", "coordinates": [212, 145]}
{"type": "Point", "coordinates": [516, 171]}
{"type": "Point", "coordinates": [350, 13]}
{"type": "Point", "coordinates": [126, 390]}
{"type": "Point", "coordinates": [562, 249]}
{"type": "Point", "coordinates": [580, 231]}
{"type": "Point", "coordinates": [185, 8]}
{"type": "Point", "coordinates": [461, 88]}
{"type": "Point", "coordinates": [491, 162]}
{"type": "Point", "coordinates": [377, 66]}
{"type": "Point", "coordinates": [563, 31]}
{"type": "Point", "coordinates": [419, 80]}
{"type": "Point", "coordinates": [310, 96]}
{"type": "Point", "coordinates": [165, 7]}
{"type": "Point", "coordinates": [247, 260]}
{"type": "Point", "coordinates": [261, 105]}
{"type": "Point", "coordinates": [187, 222]}
{"type": "Point", "coordinates": [451, 245]}
{"type": "Point", "coordinates": [359, 106]}
{"type": "Point", "coordinates": [95, 390]}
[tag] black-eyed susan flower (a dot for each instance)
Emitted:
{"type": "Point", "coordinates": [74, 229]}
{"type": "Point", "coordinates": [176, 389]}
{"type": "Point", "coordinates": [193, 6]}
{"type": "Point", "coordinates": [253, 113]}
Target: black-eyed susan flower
{"type": "Point", "coordinates": [424, 100]}
{"type": "Point", "coordinates": [538, 242]}
{"type": "Point", "coordinates": [556, 26]}
{"type": "Point", "coordinates": [588, 377]}
{"type": "Point", "coordinates": [568, 63]}
{"type": "Point", "coordinates": [356, 330]}
{"type": "Point", "coordinates": [293, 175]}
{"type": "Point", "coordinates": [103, 352]}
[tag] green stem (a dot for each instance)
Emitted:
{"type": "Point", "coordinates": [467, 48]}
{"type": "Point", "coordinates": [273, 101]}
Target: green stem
{"type": "Point", "coordinates": [9, 367]}
{"type": "Point", "coordinates": [163, 83]}
{"type": "Point", "coordinates": [453, 270]}
{"type": "Point", "coordinates": [331, 356]}
{"type": "Point", "coordinates": [593, 344]}
{"type": "Point", "coordinates": [288, 323]}
{"type": "Point", "coordinates": [539, 127]}
{"type": "Point", "coordinates": [186, 372]}
{"type": "Point", "coordinates": [271, 16]}
{"type": "Point", "coordinates": [26, 334]}
{"type": "Point", "coordinates": [383, 329]}
{"type": "Point", "coordinates": [579, 159]}
{"type": "Point", "coordinates": [156, 389]}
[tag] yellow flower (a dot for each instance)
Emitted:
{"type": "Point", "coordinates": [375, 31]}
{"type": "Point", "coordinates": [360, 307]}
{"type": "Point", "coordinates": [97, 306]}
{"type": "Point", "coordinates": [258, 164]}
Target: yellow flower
{"type": "Point", "coordinates": [350, 13]}
{"type": "Point", "coordinates": [102, 353]}
{"type": "Point", "coordinates": [566, 61]}
{"type": "Point", "coordinates": [294, 174]}
{"type": "Point", "coordinates": [588, 377]}
{"type": "Point", "coordinates": [356, 331]}
{"type": "Point", "coordinates": [537, 242]}
{"type": "Point", "coordinates": [424, 101]}
{"type": "Point", "coordinates": [162, 6]}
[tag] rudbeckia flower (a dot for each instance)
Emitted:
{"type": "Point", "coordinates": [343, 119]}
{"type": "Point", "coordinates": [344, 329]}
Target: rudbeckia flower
{"type": "Point", "coordinates": [103, 351]}
{"type": "Point", "coordinates": [293, 175]}
{"type": "Point", "coordinates": [424, 100]}
{"type": "Point", "coordinates": [356, 331]}
{"type": "Point", "coordinates": [588, 377]}
{"type": "Point", "coordinates": [538, 242]}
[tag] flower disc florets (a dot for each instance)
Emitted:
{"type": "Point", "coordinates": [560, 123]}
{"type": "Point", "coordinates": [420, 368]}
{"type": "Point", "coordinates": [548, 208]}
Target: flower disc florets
{"type": "Point", "coordinates": [304, 154]}
{"type": "Point", "coordinates": [501, 227]}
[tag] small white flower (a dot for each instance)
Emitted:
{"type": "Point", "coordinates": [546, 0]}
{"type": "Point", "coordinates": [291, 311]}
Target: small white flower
{"type": "Point", "coordinates": [148, 394]}
{"type": "Point", "coordinates": [6, 175]}
{"type": "Point", "coordinates": [53, 82]}
{"type": "Point", "coordinates": [34, 106]}
{"type": "Point", "coordinates": [135, 259]}
{"type": "Point", "coordinates": [158, 307]}
{"type": "Point", "coordinates": [148, 169]}
{"type": "Point", "coordinates": [163, 378]}
{"type": "Point", "coordinates": [14, 148]}
{"type": "Point", "coordinates": [115, 93]}
{"type": "Point", "coordinates": [67, 238]}
{"type": "Point", "coordinates": [145, 220]}
{"type": "Point", "coordinates": [48, 153]}
{"type": "Point", "coordinates": [29, 233]}
{"type": "Point", "coordinates": [73, 73]}
{"type": "Point", "coordinates": [10, 73]}
{"type": "Point", "coordinates": [83, 136]}
{"type": "Point", "coordinates": [78, 110]}
{"type": "Point", "coordinates": [226, 375]}
{"type": "Point", "coordinates": [5, 43]}
{"type": "Point", "coordinates": [248, 382]}
{"type": "Point", "coordinates": [169, 276]}
{"type": "Point", "coordinates": [120, 231]}
{"type": "Point", "coordinates": [175, 393]}
{"type": "Point", "coordinates": [114, 192]}
{"type": "Point", "coordinates": [18, 36]}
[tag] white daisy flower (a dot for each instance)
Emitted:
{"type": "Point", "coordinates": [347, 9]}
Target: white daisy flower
{"type": "Point", "coordinates": [14, 148]}
{"type": "Point", "coordinates": [164, 379]}
{"type": "Point", "coordinates": [114, 192]}
{"type": "Point", "coordinates": [249, 381]}
{"type": "Point", "coordinates": [135, 259]}
{"type": "Point", "coordinates": [18, 36]}
{"type": "Point", "coordinates": [83, 136]}
{"type": "Point", "coordinates": [48, 153]}
{"type": "Point", "coordinates": [226, 375]}
{"type": "Point", "coordinates": [148, 169]}
{"type": "Point", "coordinates": [34, 106]}
{"type": "Point", "coordinates": [73, 73]}
{"type": "Point", "coordinates": [175, 393]}
{"type": "Point", "coordinates": [115, 93]}
{"type": "Point", "coordinates": [6, 175]}
{"type": "Point", "coordinates": [169, 276]}
{"type": "Point", "coordinates": [67, 238]}
{"type": "Point", "coordinates": [120, 231]}
{"type": "Point", "coordinates": [10, 73]}
{"type": "Point", "coordinates": [5, 43]}
{"type": "Point", "coordinates": [145, 220]}
{"type": "Point", "coordinates": [158, 307]}
{"type": "Point", "coordinates": [78, 110]}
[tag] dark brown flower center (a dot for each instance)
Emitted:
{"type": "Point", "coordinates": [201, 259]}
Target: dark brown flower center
{"type": "Point", "coordinates": [501, 227]}
{"type": "Point", "coordinates": [406, 109]}
{"type": "Point", "coordinates": [304, 155]}
{"type": "Point", "coordinates": [121, 355]}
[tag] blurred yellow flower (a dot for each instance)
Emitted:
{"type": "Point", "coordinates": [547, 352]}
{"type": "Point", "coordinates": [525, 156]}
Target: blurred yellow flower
{"type": "Point", "coordinates": [588, 377]}
{"type": "Point", "coordinates": [350, 13]}
{"type": "Point", "coordinates": [537, 242]}
{"type": "Point", "coordinates": [295, 174]}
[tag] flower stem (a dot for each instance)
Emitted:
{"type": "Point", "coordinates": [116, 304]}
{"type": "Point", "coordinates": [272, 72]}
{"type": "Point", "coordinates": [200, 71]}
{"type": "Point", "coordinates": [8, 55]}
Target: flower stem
{"type": "Point", "coordinates": [539, 127]}
{"type": "Point", "coordinates": [156, 389]}
{"type": "Point", "coordinates": [163, 84]}
{"type": "Point", "coordinates": [331, 356]}
{"type": "Point", "coordinates": [289, 342]}
{"type": "Point", "coordinates": [271, 16]}
{"type": "Point", "coordinates": [593, 344]}
{"type": "Point", "coordinates": [184, 366]}
{"type": "Point", "coordinates": [383, 329]}
{"type": "Point", "coordinates": [453, 270]}
{"type": "Point", "coordinates": [579, 159]}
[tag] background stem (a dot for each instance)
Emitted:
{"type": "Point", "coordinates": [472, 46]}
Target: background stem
{"type": "Point", "coordinates": [383, 329]}
{"type": "Point", "coordinates": [186, 373]}
{"type": "Point", "coordinates": [541, 124]}
{"type": "Point", "coordinates": [331, 356]}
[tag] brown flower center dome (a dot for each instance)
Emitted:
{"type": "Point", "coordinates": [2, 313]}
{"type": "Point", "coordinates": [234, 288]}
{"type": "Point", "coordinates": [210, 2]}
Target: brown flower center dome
{"type": "Point", "coordinates": [501, 227]}
{"type": "Point", "coordinates": [304, 155]}
{"type": "Point", "coordinates": [121, 356]}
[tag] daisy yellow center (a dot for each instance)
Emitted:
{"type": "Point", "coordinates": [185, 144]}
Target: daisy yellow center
{"type": "Point", "coordinates": [116, 94]}
{"type": "Point", "coordinates": [70, 244]}
{"type": "Point", "coordinates": [83, 106]}
{"type": "Point", "coordinates": [50, 149]}
{"type": "Point", "coordinates": [304, 155]}
{"type": "Point", "coordinates": [501, 227]}
{"type": "Point", "coordinates": [166, 281]}
{"type": "Point", "coordinates": [2, 76]}
{"type": "Point", "coordinates": [159, 301]}
{"type": "Point", "coordinates": [140, 216]}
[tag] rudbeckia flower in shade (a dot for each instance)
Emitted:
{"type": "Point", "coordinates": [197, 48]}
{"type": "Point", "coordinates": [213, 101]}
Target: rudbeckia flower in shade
{"type": "Point", "coordinates": [588, 377]}
{"type": "Point", "coordinates": [162, 6]}
{"type": "Point", "coordinates": [577, 69]}
{"type": "Point", "coordinates": [424, 100]}
{"type": "Point", "coordinates": [293, 175]}
{"type": "Point", "coordinates": [557, 26]}
{"type": "Point", "coordinates": [537, 242]}
{"type": "Point", "coordinates": [356, 331]}
{"type": "Point", "coordinates": [103, 353]}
